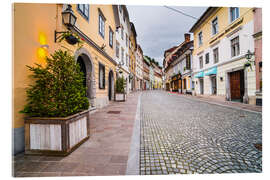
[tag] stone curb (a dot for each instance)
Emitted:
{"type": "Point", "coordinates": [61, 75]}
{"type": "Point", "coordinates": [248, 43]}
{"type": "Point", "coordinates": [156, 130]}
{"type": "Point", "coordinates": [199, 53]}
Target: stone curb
{"type": "Point", "coordinates": [133, 163]}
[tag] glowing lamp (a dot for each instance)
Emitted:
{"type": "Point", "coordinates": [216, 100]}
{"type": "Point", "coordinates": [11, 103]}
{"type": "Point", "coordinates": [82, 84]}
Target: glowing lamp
{"type": "Point", "coordinates": [41, 53]}
{"type": "Point", "coordinates": [68, 17]}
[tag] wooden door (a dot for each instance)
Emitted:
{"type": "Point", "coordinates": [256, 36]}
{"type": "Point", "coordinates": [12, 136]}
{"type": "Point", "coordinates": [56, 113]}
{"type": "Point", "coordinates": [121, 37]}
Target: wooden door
{"type": "Point", "coordinates": [235, 81]}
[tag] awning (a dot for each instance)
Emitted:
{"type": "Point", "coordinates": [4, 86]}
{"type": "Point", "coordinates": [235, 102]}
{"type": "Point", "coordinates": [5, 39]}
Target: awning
{"type": "Point", "coordinates": [199, 74]}
{"type": "Point", "coordinates": [211, 71]}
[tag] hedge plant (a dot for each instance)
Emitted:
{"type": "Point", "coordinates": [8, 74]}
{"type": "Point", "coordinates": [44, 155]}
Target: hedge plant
{"type": "Point", "coordinates": [120, 85]}
{"type": "Point", "coordinates": [58, 89]}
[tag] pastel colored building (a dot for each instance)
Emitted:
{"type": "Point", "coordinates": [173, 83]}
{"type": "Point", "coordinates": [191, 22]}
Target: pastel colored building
{"type": "Point", "coordinates": [132, 52]}
{"type": "Point", "coordinates": [36, 28]}
{"type": "Point", "coordinates": [222, 37]}
{"type": "Point", "coordinates": [139, 68]}
{"type": "Point", "coordinates": [122, 44]}
{"type": "Point", "coordinates": [178, 67]}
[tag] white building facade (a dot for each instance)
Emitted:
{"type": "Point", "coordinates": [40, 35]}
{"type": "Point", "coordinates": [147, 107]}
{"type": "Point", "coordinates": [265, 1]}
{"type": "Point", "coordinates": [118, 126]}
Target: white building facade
{"type": "Point", "coordinates": [219, 67]}
{"type": "Point", "coordinates": [122, 45]}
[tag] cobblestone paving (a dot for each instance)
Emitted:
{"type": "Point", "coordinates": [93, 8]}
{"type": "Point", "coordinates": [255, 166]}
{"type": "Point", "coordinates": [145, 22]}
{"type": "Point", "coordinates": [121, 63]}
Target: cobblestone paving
{"type": "Point", "coordinates": [185, 136]}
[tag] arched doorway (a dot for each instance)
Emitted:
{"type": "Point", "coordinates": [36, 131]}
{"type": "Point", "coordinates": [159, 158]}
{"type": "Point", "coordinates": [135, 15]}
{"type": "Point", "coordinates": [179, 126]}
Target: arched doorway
{"type": "Point", "coordinates": [82, 68]}
{"type": "Point", "coordinates": [111, 85]}
{"type": "Point", "coordinates": [83, 58]}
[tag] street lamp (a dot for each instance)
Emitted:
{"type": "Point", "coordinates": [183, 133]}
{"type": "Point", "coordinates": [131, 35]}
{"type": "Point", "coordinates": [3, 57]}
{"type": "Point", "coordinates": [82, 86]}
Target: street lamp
{"type": "Point", "coordinates": [68, 17]}
{"type": "Point", "coordinates": [249, 55]}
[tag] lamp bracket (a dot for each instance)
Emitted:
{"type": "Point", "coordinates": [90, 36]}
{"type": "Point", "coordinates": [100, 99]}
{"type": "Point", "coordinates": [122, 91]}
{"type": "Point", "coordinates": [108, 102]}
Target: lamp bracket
{"type": "Point", "coordinates": [57, 36]}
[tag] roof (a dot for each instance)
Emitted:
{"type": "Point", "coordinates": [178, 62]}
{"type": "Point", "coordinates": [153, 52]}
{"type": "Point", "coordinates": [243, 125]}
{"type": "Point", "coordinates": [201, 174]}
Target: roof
{"type": "Point", "coordinates": [146, 59]}
{"type": "Point", "coordinates": [203, 17]}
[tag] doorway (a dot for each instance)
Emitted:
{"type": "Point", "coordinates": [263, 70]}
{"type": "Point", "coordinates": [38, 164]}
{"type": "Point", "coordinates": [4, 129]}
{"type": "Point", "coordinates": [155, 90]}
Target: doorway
{"type": "Point", "coordinates": [214, 85]}
{"type": "Point", "coordinates": [83, 70]}
{"type": "Point", "coordinates": [201, 85]}
{"type": "Point", "coordinates": [110, 90]}
{"type": "Point", "coordinates": [237, 85]}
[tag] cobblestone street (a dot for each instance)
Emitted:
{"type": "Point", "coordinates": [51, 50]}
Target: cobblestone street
{"type": "Point", "coordinates": [181, 135]}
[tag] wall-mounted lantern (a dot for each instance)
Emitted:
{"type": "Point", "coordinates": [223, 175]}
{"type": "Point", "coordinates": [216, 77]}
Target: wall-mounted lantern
{"type": "Point", "coordinates": [68, 17]}
{"type": "Point", "coordinates": [69, 20]}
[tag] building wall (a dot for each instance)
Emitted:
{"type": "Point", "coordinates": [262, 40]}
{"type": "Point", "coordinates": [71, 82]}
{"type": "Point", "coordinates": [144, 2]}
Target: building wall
{"type": "Point", "coordinates": [30, 32]}
{"type": "Point", "coordinates": [244, 30]}
{"type": "Point", "coordinates": [122, 42]}
{"type": "Point", "coordinates": [223, 22]}
{"type": "Point", "coordinates": [258, 43]}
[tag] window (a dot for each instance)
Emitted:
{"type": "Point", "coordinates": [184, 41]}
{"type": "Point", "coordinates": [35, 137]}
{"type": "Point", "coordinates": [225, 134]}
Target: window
{"type": "Point", "coordinates": [117, 49]}
{"type": "Point", "coordinates": [215, 26]}
{"type": "Point", "coordinates": [101, 76]}
{"type": "Point", "coordinates": [127, 59]}
{"type": "Point", "coordinates": [101, 25]}
{"type": "Point", "coordinates": [188, 61]}
{"type": "Point", "coordinates": [122, 32]}
{"type": "Point", "coordinates": [120, 8]}
{"type": "Point", "coordinates": [235, 49]}
{"type": "Point", "coordinates": [126, 40]}
{"type": "Point", "coordinates": [83, 10]}
{"type": "Point", "coordinates": [215, 54]}
{"type": "Point", "coordinates": [201, 62]}
{"type": "Point", "coordinates": [200, 37]}
{"type": "Point", "coordinates": [111, 37]}
{"type": "Point", "coordinates": [122, 55]}
{"type": "Point", "coordinates": [234, 13]}
{"type": "Point", "coordinates": [206, 58]}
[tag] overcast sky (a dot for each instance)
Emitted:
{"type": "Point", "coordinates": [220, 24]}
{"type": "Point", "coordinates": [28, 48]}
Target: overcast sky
{"type": "Point", "coordinates": [159, 28]}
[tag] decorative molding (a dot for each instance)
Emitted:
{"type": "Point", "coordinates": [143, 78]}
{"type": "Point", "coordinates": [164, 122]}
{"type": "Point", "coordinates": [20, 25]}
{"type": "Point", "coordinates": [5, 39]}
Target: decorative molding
{"type": "Point", "coordinates": [214, 44]}
{"type": "Point", "coordinates": [199, 53]}
{"type": "Point", "coordinates": [234, 31]}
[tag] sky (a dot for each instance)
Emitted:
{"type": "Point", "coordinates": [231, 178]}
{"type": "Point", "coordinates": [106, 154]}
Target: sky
{"type": "Point", "coordinates": [159, 28]}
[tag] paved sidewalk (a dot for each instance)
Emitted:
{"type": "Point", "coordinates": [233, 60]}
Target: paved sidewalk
{"type": "Point", "coordinates": [221, 101]}
{"type": "Point", "coordinates": [105, 153]}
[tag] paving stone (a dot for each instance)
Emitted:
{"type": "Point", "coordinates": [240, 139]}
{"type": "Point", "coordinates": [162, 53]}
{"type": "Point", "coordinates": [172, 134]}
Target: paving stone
{"type": "Point", "coordinates": [206, 139]}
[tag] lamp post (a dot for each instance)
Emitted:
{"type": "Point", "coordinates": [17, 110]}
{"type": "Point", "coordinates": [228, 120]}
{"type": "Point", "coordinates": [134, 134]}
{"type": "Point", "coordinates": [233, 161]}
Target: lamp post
{"type": "Point", "coordinates": [248, 56]}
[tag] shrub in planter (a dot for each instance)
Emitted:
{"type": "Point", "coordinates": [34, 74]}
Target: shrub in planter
{"type": "Point", "coordinates": [120, 89]}
{"type": "Point", "coordinates": [57, 99]}
{"type": "Point", "coordinates": [58, 90]}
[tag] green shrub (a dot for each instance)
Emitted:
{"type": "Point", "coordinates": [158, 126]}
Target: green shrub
{"type": "Point", "coordinates": [120, 85]}
{"type": "Point", "coordinates": [58, 89]}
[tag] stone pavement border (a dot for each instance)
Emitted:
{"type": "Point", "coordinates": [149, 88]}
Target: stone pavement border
{"type": "Point", "coordinates": [133, 163]}
{"type": "Point", "coordinates": [232, 105]}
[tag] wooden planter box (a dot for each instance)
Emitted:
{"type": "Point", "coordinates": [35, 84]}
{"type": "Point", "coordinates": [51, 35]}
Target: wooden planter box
{"type": "Point", "coordinates": [56, 136]}
{"type": "Point", "coordinates": [120, 97]}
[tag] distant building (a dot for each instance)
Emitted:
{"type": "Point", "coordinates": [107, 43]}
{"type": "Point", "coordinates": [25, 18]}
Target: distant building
{"type": "Point", "coordinates": [146, 71]}
{"type": "Point", "coordinates": [139, 68]}
{"type": "Point", "coordinates": [178, 67]}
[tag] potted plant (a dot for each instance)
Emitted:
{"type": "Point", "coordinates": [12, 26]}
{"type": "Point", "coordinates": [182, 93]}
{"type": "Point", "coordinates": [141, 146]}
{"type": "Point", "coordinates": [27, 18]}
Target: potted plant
{"type": "Point", "coordinates": [120, 94]}
{"type": "Point", "coordinates": [57, 112]}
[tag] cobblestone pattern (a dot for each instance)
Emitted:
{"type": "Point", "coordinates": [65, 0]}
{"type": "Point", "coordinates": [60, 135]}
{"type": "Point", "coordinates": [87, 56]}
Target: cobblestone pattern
{"type": "Point", "coordinates": [184, 136]}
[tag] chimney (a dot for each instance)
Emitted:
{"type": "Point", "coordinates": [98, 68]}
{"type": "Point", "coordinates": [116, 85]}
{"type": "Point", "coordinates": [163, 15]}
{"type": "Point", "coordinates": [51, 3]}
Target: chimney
{"type": "Point", "coordinates": [187, 37]}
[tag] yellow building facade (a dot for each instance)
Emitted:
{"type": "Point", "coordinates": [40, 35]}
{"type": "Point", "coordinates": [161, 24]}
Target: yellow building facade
{"type": "Point", "coordinates": [222, 37]}
{"type": "Point", "coordinates": [34, 35]}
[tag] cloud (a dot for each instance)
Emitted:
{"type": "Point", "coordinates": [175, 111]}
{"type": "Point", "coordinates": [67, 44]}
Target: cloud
{"type": "Point", "coordinates": [159, 28]}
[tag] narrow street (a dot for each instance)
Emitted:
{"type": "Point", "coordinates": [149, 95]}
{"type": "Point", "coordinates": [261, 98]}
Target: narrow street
{"type": "Point", "coordinates": [177, 135]}
{"type": "Point", "coordinates": [181, 135]}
